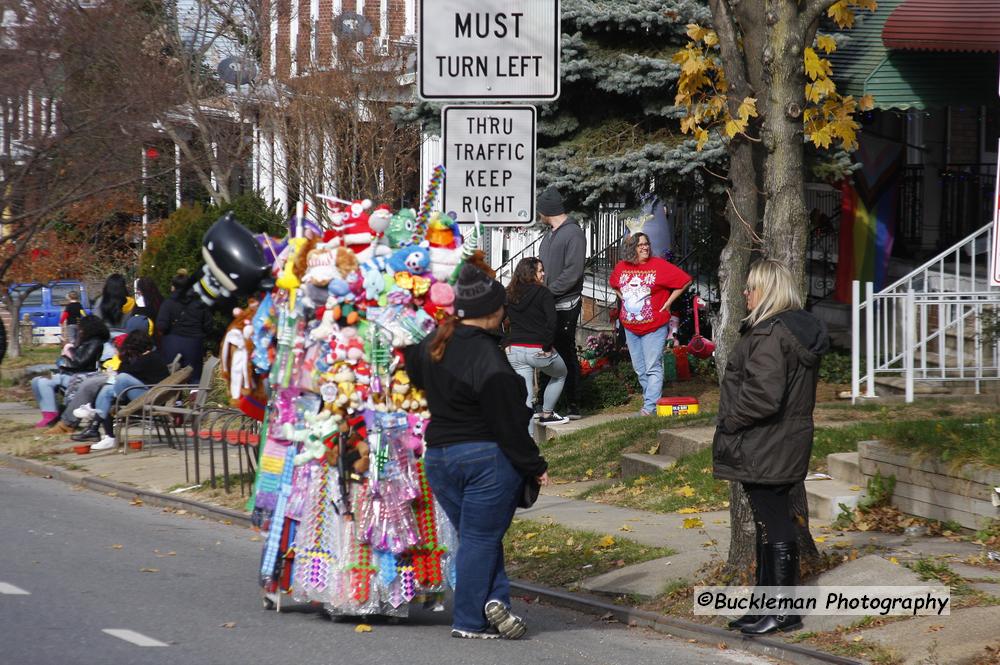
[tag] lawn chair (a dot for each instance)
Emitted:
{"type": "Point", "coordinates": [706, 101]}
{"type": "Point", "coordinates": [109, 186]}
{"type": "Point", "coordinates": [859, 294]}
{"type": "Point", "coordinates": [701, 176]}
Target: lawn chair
{"type": "Point", "coordinates": [127, 413]}
{"type": "Point", "coordinates": [165, 416]}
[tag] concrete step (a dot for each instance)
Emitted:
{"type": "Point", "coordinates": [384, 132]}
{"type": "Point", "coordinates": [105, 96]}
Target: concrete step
{"type": "Point", "coordinates": [845, 467]}
{"type": "Point", "coordinates": [681, 441]}
{"type": "Point", "coordinates": [896, 385]}
{"type": "Point", "coordinates": [825, 497]}
{"type": "Point", "coordinates": [642, 464]}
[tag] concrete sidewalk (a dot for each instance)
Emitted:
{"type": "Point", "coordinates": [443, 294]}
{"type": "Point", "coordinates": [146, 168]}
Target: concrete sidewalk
{"type": "Point", "coordinates": [954, 639]}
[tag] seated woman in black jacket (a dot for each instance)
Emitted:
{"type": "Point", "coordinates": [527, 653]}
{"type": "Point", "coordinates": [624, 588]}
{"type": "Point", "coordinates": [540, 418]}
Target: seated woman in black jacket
{"type": "Point", "coordinates": [79, 358]}
{"type": "Point", "coordinates": [478, 449]}
{"type": "Point", "coordinates": [141, 366]}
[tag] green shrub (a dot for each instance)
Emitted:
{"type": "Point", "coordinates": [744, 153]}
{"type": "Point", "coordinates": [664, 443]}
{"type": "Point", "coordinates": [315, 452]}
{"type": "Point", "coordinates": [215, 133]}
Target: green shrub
{"type": "Point", "coordinates": [835, 367]}
{"type": "Point", "coordinates": [610, 387]}
{"type": "Point", "coordinates": [176, 241]}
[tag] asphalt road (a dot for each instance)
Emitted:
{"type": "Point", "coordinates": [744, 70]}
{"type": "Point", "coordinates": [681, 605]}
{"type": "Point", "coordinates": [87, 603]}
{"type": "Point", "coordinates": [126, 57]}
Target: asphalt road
{"type": "Point", "coordinates": [77, 564]}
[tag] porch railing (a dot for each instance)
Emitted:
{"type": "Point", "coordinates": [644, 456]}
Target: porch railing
{"type": "Point", "coordinates": [939, 323]}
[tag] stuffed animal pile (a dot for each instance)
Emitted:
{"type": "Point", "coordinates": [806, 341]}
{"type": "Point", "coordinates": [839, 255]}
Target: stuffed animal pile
{"type": "Point", "coordinates": [340, 489]}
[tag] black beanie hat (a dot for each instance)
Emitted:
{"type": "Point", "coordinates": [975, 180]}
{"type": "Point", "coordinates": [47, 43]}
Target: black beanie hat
{"type": "Point", "coordinates": [476, 294]}
{"type": "Point", "coordinates": [550, 203]}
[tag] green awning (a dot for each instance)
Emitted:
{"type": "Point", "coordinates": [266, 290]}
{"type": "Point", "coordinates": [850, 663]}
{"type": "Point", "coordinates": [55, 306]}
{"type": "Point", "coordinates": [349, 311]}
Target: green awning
{"type": "Point", "coordinates": [910, 79]}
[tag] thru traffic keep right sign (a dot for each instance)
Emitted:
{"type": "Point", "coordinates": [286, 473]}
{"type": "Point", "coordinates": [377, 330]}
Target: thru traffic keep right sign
{"type": "Point", "coordinates": [489, 160]}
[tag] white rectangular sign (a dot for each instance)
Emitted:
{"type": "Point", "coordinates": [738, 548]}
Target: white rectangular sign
{"type": "Point", "coordinates": [489, 160]}
{"type": "Point", "coordinates": [489, 49]}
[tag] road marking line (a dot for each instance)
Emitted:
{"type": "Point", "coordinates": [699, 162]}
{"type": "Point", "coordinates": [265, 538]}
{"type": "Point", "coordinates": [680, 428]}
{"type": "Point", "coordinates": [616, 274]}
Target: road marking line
{"type": "Point", "coordinates": [11, 590]}
{"type": "Point", "coordinates": [135, 638]}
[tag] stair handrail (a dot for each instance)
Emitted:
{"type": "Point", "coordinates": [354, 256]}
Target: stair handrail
{"type": "Point", "coordinates": [507, 268]}
{"type": "Point", "coordinates": [955, 250]}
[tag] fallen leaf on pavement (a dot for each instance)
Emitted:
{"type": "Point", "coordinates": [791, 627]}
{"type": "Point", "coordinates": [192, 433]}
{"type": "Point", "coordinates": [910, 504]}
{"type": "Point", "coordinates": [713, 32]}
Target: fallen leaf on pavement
{"type": "Point", "coordinates": [254, 539]}
{"type": "Point", "coordinates": [686, 491]}
{"type": "Point", "coordinates": [934, 629]}
{"type": "Point", "coordinates": [149, 570]}
{"type": "Point", "coordinates": [625, 527]}
{"type": "Point", "coordinates": [894, 560]}
{"type": "Point", "coordinates": [363, 628]}
{"type": "Point", "coordinates": [858, 638]}
{"type": "Point", "coordinates": [722, 645]}
{"type": "Point", "coordinates": [693, 523]}
{"type": "Point", "coordinates": [136, 501]}
{"type": "Point", "coordinates": [820, 539]}
{"type": "Point", "coordinates": [228, 624]}
{"type": "Point", "coordinates": [182, 512]}
{"type": "Point", "coordinates": [687, 511]}
{"type": "Point", "coordinates": [116, 546]}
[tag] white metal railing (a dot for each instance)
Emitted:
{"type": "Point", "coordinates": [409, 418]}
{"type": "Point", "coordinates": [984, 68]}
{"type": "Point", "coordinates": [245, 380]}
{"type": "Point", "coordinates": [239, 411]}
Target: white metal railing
{"type": "Point", "coordinates": [938, 323]}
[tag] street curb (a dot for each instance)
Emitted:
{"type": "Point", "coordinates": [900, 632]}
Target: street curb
{"type": "Point", "coordinates": [709, 635]}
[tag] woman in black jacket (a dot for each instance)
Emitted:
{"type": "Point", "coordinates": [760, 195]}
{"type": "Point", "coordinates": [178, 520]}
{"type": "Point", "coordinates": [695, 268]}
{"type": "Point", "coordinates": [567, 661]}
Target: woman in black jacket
{"type": "Point", "coordinates": [765, 431]}
{"type": "Point", "coordinates": [183, 321]}
{"type": "Point", "coordinates": [478, 449]}
{"type": "Point", "coordinates": [115, 305]}
{"type": "Point", "coordinates": [531, 309]}
{"type": "Point", "coordinates": [79, 358]}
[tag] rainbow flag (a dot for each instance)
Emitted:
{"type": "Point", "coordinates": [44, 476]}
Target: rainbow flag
{"type": "Point", "coordinates": [869, 209]}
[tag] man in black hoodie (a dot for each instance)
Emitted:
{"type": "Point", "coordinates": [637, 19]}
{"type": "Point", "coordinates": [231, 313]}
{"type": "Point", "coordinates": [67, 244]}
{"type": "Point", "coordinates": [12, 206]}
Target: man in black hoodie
{"type": "Point", "coordinates": [563, 251]}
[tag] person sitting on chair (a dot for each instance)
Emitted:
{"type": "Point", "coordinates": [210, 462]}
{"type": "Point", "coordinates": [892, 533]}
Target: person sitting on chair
{"type": "Point", "coordinates": [140, 367]}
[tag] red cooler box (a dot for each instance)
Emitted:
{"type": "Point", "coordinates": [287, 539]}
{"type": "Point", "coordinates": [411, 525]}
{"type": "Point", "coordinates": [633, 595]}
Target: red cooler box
{"type": "Point", "coordinates": [676, 406]}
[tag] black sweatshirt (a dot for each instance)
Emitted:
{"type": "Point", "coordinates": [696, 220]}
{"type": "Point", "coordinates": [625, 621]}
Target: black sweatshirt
{"type": "Point", "coordinates": [475, 395]}
{"type": "Point", "coordinates": [184, 315]}
{"type": "Point", "coordinates": [532, 317]}
{"type": "Point", "coordinates": [148, 368]}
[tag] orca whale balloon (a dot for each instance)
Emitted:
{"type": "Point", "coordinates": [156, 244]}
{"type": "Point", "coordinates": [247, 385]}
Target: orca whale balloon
{"type": "Point", "coordinates": [235, 264]}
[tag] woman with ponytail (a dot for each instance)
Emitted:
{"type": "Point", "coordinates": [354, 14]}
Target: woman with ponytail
{"type": "Point", "coordinates": [479, 452]}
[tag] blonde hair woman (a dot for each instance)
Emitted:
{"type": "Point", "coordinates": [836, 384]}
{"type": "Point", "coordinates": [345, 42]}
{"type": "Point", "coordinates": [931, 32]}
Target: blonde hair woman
{"type": "Point", "coordinates": [765, 431]}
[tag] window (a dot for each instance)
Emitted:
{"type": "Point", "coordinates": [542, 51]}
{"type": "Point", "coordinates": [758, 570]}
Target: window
{"type": "Point", "coordinates": [34, 299]}
{"type": "Point", "coordinates": [60, 291]}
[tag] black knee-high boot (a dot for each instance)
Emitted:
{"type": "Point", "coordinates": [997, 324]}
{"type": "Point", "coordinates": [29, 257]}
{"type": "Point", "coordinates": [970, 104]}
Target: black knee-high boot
{"type": "Point", "coordinates": [762, 578]}
{"type": "Point", "coordinates": [783, 562]}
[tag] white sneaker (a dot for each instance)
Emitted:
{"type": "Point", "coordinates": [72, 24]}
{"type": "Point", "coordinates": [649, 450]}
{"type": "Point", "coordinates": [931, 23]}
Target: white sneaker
{"type": "Point", "coordinates": [106, 443]}
{"type": "Point", "coordinates": [85, 412]}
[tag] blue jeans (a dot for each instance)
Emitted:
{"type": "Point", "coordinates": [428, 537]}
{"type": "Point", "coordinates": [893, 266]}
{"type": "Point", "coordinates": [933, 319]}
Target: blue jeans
{"type": "Point", "coordinates": [44, 389]}
{"type": "Point", "coordinates": [478, 489]}
{"type": "Point", "coordinates": [110, 392]}
{"type": "Point", "coordinates": [526, 360]}
{"type": "Point", "coordinates": [647, 360]}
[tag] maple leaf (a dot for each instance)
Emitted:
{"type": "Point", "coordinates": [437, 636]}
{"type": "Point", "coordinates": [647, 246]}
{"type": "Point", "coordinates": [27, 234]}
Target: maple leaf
{"type": "Point", "coordinates": [827, 43]}
{"type": "Point", "coordinates": [747, 109]}
{"type": "Point", "coordinates": [816, 66]}
{"type": "Point", "coordinates": [696, 32]}
{"type": "Point", "coordinates": [686, 491]}
{"type": "Point", "coordinates": [606, 541]}
{"type": "Point", "coordinates": [693, 523]}
{"type": "Point", "coordinates": [711, 39]}
{"type": "Point", "coordinates": [842, 14]}
{"type": "Point", "coordinates": [702, 135]}
{"type": "Point", "coordinates": [363, 628]}
{"type": "Point", "coordinates": [734, 127]}
{"type": "Point", "coordinates": [687, 511]}
{"type": "Point", "coordinates": [866, 103]}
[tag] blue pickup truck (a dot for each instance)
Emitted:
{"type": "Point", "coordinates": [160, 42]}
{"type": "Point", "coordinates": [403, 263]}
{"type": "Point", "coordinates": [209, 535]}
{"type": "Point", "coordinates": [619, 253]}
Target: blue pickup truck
{"type": "Point", "coordinates": [45, 305]}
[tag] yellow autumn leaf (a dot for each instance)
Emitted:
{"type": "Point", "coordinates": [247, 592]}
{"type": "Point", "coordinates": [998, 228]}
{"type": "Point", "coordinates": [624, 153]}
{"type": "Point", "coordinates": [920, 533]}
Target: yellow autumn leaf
{"type": "Point", "coordinates": [711, 39]}
{"type": "Point", "coordinates": [589, 473]}
{"type": "Point", "coordinates": [570, 542]}
{"type": "Point", "coordinates": [866, 103]}
{"type": "Point", "coordinates": [696, 32]}
{"type": "Point", "coordinates": [686, 491]}
{"type": "Point", "coordinates": [693, 523]}
{"type": "Point", "coordinates": [894, 560]}
{"type": "Point", "coordinates": [702, 135]}
{"type": "Point", "coordinates": [529, 536]}
{"type": "Point", "coordinates": [362, 628]}
{"type": "Point", "coordinates": [820, 539]}
{"type": "Point", "coordinates": [625, 527]}
{"type": "Point", "coordinates": [827, 43]}
{"type": "Point", "coordinates": [842, 14]}
{"type": "Point", "coordinates": [734, 127]}
{"type": "Point", "coordinates": [606, 541]}
{"type": "Point", "coordinates": [816, 66]}
{"type": "Point", "coordinates": [687, 511]}
{"type": "Point", "coordinates": [747, 109]}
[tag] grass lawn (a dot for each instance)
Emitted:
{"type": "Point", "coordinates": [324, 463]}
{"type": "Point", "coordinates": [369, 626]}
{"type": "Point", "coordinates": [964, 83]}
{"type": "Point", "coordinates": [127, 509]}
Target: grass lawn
{"type": "Point", "coordinates": [933, 430]}
{"type": "Point", "coordinates": [557, 556]}
{"type": "Point", "coordinates": [33, 355]}
{"type": "Point", "coordinates": [595, 451]}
